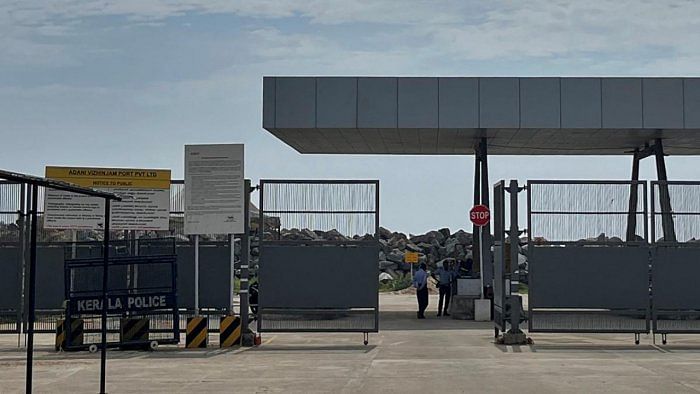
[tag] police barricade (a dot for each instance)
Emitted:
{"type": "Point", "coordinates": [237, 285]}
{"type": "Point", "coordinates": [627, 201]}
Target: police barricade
{"type": "Point", "coordinates": [141, 312]}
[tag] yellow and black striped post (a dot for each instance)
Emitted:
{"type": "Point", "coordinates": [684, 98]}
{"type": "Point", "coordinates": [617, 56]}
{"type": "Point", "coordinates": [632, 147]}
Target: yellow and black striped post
{"type": "Point", "coordinates": [197, 333]}
{"type": "Point", "coordinates": [76, 333]}
{"type": "Point", "coordinates": [229, 331]}
{"type": "Point", "coordinates": [134, 330]}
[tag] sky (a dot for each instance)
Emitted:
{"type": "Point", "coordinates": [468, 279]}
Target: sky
{"type": "Point", "coordinates": [127, 83]}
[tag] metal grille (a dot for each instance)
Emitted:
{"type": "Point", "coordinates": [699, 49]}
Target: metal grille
{"type": "Point", "coordinates": [685, 211]}
{"type": "Point", "coordinates": [588, 321]}
{"type": "Point", "coordinates": [590, 212]}
{"type": "Point", "coordinates": [677, 322]}
{"type": "Point", "coordinates": [335, 211]}
{"type": "Point", "coordinates": [11, 206]}
{"type": "Point", "coordinates": [317, 320]}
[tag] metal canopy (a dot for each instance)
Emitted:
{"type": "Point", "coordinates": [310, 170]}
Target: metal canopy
{"type": "Point", "coordinates": [448, 115]}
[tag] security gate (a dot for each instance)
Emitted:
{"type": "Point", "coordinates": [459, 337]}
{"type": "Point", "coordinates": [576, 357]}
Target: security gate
{"type": "Point", "coordinates": [319, 253]}
{"type": "Point", "coordinates": [676, 257]}
{"type": "Point", "coordinates": [588, 261]}
{"type": "Point", "coordinates": [591, 265]}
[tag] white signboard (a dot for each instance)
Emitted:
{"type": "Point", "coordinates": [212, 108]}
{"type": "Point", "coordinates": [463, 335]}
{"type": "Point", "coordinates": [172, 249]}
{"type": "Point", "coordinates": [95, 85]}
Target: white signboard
{"type": "Point", "coordinates": [145, 197]}
{"type": "Point", "coordinates": [214, 195]}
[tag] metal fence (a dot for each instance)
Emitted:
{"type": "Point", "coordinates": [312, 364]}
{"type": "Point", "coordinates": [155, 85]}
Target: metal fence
{"type": "Point", "coordinates": [55, 245]}
{"type": "Point", "coordinates": [587, 212]}
{"type": "Point", "coordinates": [320, 211]}
{"type": "Point", "coordinates": [681, 223]}
{"type": "Point", "coordinates": [318, 264]}
{"type": "Point", "coordinates": [13, 200]}
{"type": "Point", "coordinates": [12, 207]}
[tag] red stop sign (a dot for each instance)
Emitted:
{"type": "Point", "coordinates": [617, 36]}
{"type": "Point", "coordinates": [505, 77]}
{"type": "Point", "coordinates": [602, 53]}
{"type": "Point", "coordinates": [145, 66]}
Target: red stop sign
{"type": "Point", "coordinates": [480, 215]}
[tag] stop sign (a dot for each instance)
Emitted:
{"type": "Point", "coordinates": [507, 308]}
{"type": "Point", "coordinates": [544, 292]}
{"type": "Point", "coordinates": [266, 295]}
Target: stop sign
{"type": "Point", "coordinates": [480, 215]}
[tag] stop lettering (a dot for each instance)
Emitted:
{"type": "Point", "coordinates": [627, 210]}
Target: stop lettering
{"type": "Point", "coordinates": [480, 215]}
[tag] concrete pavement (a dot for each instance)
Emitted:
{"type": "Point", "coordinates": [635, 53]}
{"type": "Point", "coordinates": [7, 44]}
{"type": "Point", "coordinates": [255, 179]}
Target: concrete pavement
{"type": "Point", "coordinates": [408, 355]}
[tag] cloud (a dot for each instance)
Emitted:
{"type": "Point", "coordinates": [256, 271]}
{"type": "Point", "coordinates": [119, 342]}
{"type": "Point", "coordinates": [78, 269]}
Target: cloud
{"type": "Point", "coordinates": [643, 32]}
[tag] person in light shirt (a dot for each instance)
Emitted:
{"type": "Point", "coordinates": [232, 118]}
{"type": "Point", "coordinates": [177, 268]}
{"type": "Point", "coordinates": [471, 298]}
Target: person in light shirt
{"type": "Point", "coordinates": [420, 282]}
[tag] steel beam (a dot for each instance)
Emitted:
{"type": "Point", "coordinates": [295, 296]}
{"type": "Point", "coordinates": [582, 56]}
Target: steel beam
{"type": "Point", "coordinates": [634, 191]}
{"type": "Point", "coordinates": [664, 196]}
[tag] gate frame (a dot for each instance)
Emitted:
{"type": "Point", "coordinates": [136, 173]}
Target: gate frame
{"type": "Point", "coordinates": [279, 242]}
{"type": "Point", "coordinates": [634, 185]}
{"type": "Point", "coordinates": [668, 224]}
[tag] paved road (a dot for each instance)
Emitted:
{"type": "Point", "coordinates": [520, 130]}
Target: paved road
{"type": "Point", "coordinates": [408, 355]}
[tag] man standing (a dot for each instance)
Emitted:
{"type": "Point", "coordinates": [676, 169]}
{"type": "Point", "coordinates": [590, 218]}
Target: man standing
{"type": "Point", "coordinates": [445, 276]}
{"type": "Point", "coordinates": [420, 282]}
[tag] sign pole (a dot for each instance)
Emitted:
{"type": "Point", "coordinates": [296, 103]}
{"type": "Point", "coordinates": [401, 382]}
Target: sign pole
{"type": "Point", "coordinates": [196, 274]}
{"type": "Point", "coordinates": [32, 288]}
{"type": "Point", "coordinates": [232, 276]}
{"type": "Point", "coordinates": [105, 282]}
{"type": "Point", "coordinates": [480, 215]}
{"type": "Point", "coordinates": [481, 259]}
{"type": "Point", "coordinates": [245, 259]}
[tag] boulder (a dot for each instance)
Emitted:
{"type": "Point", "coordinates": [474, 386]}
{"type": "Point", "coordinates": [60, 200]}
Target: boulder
{"type": "Point", "coordinates": [384, 246]}
{"type": "Point", "coordinates": [411, 247]}
{"type": "Point", "coordinates": [383, 265]}
{"type": "Point", "coordinates": [460, 252]}
{"type": "Point", "coordinates": [425, 247]}
{"type": "Point", "coordinates": [395, 256]}
{"type": "Point", "coordinates": [451, 246]}
{"type": "Point", "coordinates": [391, 272]}
{"type": "Point", "coordinates": [463, 237]}
{"type": "Point", "coordinates": [385, 277]}
{"type": "Point", "coordinates": [428, 237]}
{"type": "Point", "coordinates": [334, 235]}
{"type": "Point", "coordinates": [445, 232]}
{"type": "Point", "coordinates": [384, 233]}
{"type": "Point", "coordinates": [310, 234]}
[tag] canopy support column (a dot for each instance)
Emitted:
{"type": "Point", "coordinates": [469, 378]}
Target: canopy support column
{"type": "Point", "coordinates": [664, 196]}
{"type": "Point", "coordinates": [482, 245]}
{"type": "Point", "coordinates": [634, 192]}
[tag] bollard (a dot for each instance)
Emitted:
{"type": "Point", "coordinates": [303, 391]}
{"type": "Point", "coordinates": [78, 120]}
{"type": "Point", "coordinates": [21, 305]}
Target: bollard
{"type": "Point", "coordinates": [134, 330]}
{"type": "Point", "coordinates": [197, 332]}
{"type": "Point", "coordinates": [229, 331]}
{"type": "Point", "coordinates": [76, 333]}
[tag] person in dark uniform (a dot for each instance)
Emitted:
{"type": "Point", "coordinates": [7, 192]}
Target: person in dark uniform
{"type": "Point", "coordinates": [420, 282]}
{"type": "Point", "coordinates": [444, 277]}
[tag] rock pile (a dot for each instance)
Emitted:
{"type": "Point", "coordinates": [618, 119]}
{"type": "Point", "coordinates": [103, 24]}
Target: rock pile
{"type": "Point", "coordinates": [433, 248]}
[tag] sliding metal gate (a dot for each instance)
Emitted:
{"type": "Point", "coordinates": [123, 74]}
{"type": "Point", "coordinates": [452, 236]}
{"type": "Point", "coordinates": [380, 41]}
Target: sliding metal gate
{"type": "Point", "coordinates": [588, 260]}
{"type": "Point", "coordinates": [676, 257]}
{"type": "Point", "coordinates": [319, 255]}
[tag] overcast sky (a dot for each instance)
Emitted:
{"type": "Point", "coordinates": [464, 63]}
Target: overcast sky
{"type": "Point", "coordinates": [129, 82]}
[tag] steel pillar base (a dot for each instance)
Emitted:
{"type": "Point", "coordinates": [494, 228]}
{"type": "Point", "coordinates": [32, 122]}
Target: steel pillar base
{"type": "Point", "coordinates": [248, 339]}
{"type": "Point", "coordinates": [513, 338]}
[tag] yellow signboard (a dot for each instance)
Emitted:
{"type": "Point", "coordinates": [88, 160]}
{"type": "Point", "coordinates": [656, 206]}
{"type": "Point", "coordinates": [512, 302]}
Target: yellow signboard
{"type": "Point", "coordinates": [145, 203]}
{"type": "Point", "coordinates": [111, 177]}
{"type": "Point", "coordinates": [411, 257]}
